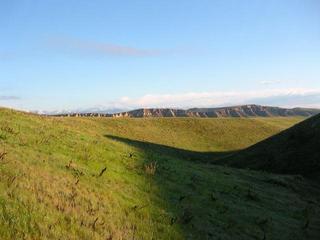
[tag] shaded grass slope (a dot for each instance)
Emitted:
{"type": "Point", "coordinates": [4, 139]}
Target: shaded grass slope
{"type": "Point", "coordinates": [293, 151]}
{"type": "Point", "coordinates": [74, 178]}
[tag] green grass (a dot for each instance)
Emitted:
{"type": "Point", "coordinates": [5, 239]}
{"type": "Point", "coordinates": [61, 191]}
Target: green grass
{"type": "Point", "coordinates": [153, 186]}
{"type": "Point", "coordinates": [293, 151]}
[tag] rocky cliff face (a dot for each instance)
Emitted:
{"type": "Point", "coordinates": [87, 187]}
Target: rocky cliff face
{"type": "Point", "coordinates": [236, 111]}
{"type": "Point", "coordinates": [153, 112]}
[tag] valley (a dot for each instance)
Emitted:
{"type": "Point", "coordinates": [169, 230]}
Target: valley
{"type": "Point", "coordinates": [105, 178]}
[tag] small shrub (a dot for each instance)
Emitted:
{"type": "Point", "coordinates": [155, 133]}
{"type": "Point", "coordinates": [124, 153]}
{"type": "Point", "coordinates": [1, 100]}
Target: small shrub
{"type": "Point", "coordinates": [2, 155]}
{"type": "Point", "coordinates": [252, 195]}
{"type": "Point", "coordinates": [150, 168]}
{"type": "Point", "coordinates": [7, 129]}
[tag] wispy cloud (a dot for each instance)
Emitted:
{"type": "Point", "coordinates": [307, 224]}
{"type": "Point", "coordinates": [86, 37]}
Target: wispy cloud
{"type": "Point", "coordinates": [276, 97]}
{"type": "Point", "coordinates": [4, 56]}
{"type": "Point", "coordinates": [270, 82]}
{"type": "Point", "coordinates": [103, 49]}
{"type": "Point", "coordinates": [8, 98]}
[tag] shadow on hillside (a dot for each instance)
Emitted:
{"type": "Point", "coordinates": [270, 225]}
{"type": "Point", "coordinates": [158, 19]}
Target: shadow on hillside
{"type": "Point", "coordinates": [174, 181]}
{"type": "Point", "coordinates": [163, 150]}
{"type": "Point", "coordinates": [187, 193]}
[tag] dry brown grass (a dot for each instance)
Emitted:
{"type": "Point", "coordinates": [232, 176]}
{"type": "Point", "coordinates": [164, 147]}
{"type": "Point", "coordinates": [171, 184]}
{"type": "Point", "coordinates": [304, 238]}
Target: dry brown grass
{"type": "Point", "coordinates": [150, 168]}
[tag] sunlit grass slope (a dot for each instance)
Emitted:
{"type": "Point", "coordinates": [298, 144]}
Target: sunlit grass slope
{"type": "Point", "coordinates": [82, 178]}
{"type": "Point", "coordinates": [195, 134]}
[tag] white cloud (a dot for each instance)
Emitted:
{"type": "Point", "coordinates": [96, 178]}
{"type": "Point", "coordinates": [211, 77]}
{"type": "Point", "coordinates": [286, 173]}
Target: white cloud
{"type": "Point", "coordinates": [276, 97]}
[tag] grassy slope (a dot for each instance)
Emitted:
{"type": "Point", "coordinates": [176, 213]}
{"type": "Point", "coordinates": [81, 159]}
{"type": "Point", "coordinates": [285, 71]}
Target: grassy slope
{"type": "Point", "coordinates": [293, 151]}
{"type": "Point", "coordinates": [196, 134]}
{"type": "Point", "coordinates": [50, 186]}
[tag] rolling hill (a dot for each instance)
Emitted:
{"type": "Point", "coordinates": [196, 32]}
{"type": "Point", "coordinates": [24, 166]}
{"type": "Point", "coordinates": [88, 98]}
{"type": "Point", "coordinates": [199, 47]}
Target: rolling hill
{"type": "Point", "coordinates": [293, 151]}
{"type": "Point", "coordinates": [106, 178]}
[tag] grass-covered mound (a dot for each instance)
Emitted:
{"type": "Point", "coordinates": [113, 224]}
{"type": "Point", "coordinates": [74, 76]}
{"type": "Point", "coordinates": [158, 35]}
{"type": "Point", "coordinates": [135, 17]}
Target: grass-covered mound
{"type": "Point", "coordinates": [293, 151]}
{"type": "Point", "coordinates": [76, 178]}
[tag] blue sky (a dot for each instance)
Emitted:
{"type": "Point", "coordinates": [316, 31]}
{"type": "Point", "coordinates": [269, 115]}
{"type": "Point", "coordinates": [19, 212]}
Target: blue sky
{"type": "Point", "coordinates": [59, 54]}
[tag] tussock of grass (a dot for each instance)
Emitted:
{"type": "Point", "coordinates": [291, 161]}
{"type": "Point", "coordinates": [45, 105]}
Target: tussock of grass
{"type": "Point", "coordinates": [75, 178]}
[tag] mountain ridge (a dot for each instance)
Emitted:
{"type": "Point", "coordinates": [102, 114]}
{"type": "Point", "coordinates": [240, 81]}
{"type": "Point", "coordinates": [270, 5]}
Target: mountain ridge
{"type": "Point", "coordinates": [251, 110]}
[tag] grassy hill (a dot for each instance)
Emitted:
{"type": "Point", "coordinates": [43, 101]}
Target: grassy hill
{"type": "Point", "coordinates": [293, 151]}
{"type": "Point", "coordinates": [91, 178]}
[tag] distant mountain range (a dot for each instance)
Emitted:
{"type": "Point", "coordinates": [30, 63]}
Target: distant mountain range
{"type": "Point", "coordinates": [84, 111]}
{"type": "Point", "coordinates": [233, 111]}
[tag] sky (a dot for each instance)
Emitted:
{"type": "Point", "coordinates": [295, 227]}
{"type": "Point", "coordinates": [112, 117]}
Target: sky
{"type": "Point", "coordinates": [79, 54]}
